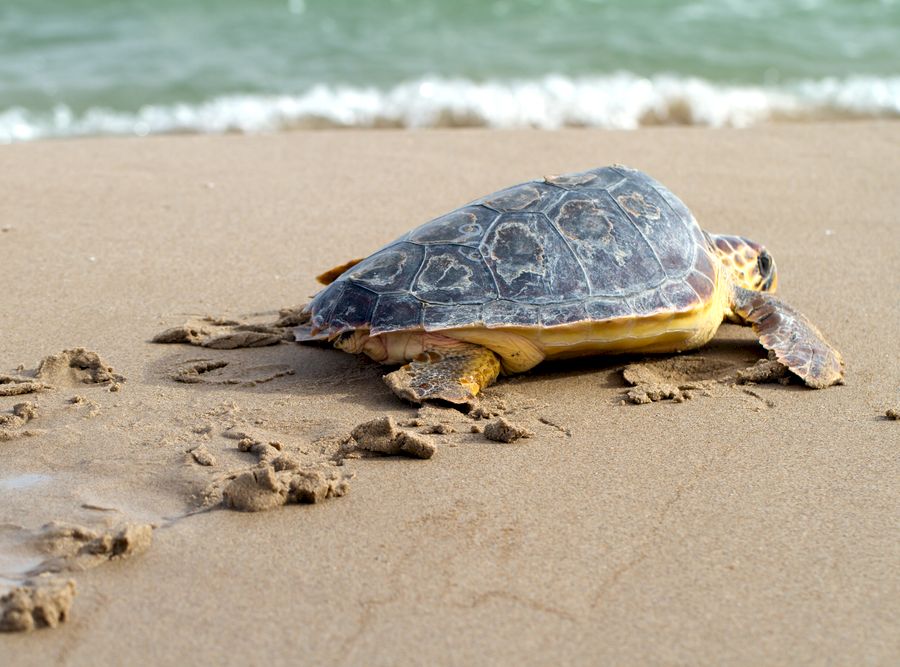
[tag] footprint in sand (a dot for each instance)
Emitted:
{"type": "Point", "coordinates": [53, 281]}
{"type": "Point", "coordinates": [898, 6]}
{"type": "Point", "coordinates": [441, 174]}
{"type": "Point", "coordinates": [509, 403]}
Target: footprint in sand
{"type": "Point", "coordinates": [220, 371]}
{"type": "Point", "coordinates": [216, 333]}
{"type": "Point", "coordinates": [70, 369]}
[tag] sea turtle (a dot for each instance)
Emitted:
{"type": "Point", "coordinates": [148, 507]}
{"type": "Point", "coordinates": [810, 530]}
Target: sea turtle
{"type": "Point", "coordinates": [602, 261]}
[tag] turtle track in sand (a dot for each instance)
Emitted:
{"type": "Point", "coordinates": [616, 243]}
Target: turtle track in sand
{"type": "Point", "coordinates": [681, 377]}
{"type": "Point", "coordinates": [40, 593]}
{"type": "Point", "coordinates": [224, 333]}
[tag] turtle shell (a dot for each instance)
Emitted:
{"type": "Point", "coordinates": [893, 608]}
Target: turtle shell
{"type": "Point", "coordinates": [596, 245]}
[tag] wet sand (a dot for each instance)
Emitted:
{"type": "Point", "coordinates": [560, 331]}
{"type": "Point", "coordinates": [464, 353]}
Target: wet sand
{"type": "Point", "coordinates": [743, 524]}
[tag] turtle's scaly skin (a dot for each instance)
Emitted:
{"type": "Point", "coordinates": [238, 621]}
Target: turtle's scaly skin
{"type": "Point", "coordinates": [600, 245]}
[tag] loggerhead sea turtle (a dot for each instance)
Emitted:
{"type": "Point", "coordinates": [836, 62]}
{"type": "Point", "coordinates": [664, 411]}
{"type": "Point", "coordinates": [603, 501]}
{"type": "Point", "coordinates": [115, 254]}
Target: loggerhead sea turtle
{"type": "Point", "coordinates": [602, 261]}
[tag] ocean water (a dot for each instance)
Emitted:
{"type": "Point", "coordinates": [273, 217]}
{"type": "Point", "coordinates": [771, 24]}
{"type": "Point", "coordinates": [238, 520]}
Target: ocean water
{"type": "Point", "coordinates": [94, 67]}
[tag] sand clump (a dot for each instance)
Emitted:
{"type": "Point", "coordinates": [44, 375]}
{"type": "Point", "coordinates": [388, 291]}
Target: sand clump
{"type": "Point", "coordinates": [12, 424]}
{"type": "Point", "coordinates": [21, 414]}
{"type": "Point", "coordinates": [266, 487]}
{"type": "Point", "coordinates": [438, 429]}
{"type": "Point", "coordinates": [11, 385]}
{"type": "Point", "coordinates": [74, 548]}
{"type": "Point", "coordinates": [203, 456]}
{"type": "Point", "coordinates": [245, 335]}
{"type": "Point", "coordinates": [41, 602]}
{"type": "Point", "coordinates": [764, 371]}
{"type": "Point", "coordinates": [678, 378]}
{"type": "Point", "coordinates": [183, 334]}
{"type": "Point", "coordinates": [278, 479]}
{"type": "Point", "coordinates": [502, 430]}
{"type": "Point", "coordinates": [266, 452]}
{"type": "Point", "coordinates": [292, 317]}
{"type": "Point", "coordinates": [681, 377]}
{"type": "Point", "coordinates": [431, 419]}
{"type": "Point", "coordinates": [892, 414]}
{"type": "Point", "coordinates": [71, 368]}
{"type": "Point", "coordinates": [488, 407]}
{"type": "Point", "coordinates": [222, 334]}
{"type": "Point", "coordinates": [382, 436]}
{"type": "Point", "coordinates": [673, 378]}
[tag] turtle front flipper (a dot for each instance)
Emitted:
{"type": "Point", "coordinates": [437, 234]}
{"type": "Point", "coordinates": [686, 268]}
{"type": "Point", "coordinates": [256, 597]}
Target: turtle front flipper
{"type": "Point", "coordinates": [453, 372]}
{"type": "Point", "coordinates": [796, 342]}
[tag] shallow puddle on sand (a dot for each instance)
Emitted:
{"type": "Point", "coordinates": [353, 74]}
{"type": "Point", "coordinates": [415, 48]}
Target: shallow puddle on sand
{"type": "Point", "coordinates": [18, 482]}
{"type": "Point", "coordinates": [14, 569]}
{"type": "Point", "coordinates": [17, 557]}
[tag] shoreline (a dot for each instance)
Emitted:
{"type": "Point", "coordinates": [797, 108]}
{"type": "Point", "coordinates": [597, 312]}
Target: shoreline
{"type": "Point", "coordinates": [649, 120]}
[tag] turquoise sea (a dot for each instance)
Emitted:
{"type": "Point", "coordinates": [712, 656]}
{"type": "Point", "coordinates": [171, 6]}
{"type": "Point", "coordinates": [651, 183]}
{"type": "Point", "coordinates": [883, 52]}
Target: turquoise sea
{"type": "Point", "coordinates": [93, 67]}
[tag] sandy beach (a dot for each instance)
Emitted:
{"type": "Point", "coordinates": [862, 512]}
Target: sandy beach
{"type": "Point", "coordinates": [750, 524]}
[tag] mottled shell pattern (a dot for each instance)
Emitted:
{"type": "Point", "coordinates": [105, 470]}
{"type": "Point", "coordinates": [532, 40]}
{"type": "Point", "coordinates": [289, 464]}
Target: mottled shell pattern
{"type": "Point", "coordinates": [597, 245]}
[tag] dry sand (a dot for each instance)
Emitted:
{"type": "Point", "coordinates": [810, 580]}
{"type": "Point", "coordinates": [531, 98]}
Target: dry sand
{"type": "Point", "coordinates": [750, 524]}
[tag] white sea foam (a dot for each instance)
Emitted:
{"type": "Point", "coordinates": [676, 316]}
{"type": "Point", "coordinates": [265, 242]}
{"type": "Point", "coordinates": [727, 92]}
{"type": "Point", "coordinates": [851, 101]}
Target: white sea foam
{"type": "Point", "coordinates": [618, 101]}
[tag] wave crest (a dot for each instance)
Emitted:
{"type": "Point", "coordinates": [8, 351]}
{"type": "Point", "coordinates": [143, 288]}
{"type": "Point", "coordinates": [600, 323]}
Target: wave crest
{"type": "Point", "coordinates": [618, 101]}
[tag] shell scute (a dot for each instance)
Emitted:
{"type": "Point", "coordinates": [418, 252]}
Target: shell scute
{"type": "Point", "coordinates": [600, 179]}
{"type": "Point", "coordinates": [397, 311]}
{"type": "Point", "coordinates": [554, 314]}
{"type": "Point", "coordinates": [356, 307]}
{"type": "Point", "coordinates": [703, 263]}
{"type": "Point", "coordinates": [679, 295]}
{"type": "Point", "coordinates": [649, 303]}
{"type": "Point", "coordinates": [449, 317]}
{"type": "Point", "coordinates": [607, 309]}
{"type": "Point", "coordinates": [465, 226]}
{"type": "Point", "coordinates": [615, 257]}
{"type": "Point", "coordinates": [323, 305]}
{"type": "Point", "coordinates": [674, 202]}
{"type": "Point", "coordinates": [503, 312]}
{"type": "Point", "coordinates": [449, 276]}
{"type": "Point", "coordinates": [702, 285]}
{"type": "Point", "coordinates": [667, 232]}
{"type": "Point", "coordinates": [389, 270]}
{"type": "Point", "coordinates": [530, 262]}
{"type": "Point", "coordinates": [532, 196]}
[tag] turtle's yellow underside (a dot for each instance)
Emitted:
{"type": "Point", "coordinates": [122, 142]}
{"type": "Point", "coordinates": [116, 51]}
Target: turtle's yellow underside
{"type": "Point", "coordinates": [522, 348]}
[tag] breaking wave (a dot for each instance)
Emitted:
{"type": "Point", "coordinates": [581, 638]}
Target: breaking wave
{"type": "Point", "coordinates": [618, 101]}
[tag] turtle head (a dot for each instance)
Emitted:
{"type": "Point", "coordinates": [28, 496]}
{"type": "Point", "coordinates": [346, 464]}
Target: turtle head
{"type": "Point", "coordinates": [750, 264]}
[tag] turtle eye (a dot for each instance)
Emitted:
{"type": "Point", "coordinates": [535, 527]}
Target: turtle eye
{"type": "Point", "coordinates": [764, 263]}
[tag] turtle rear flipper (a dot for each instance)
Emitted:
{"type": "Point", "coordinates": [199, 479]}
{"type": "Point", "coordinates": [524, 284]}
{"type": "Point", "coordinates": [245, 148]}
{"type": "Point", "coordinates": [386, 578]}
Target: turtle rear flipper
{"type": "Point", "coordinates": [453, 372]}
{"type": "Point", "coordinates": [333, 274]}
{"type": "Point", "coordinates": [308, 335]}
{"type": "Point", "coordinates": [303, 330]}
{"type": "Point", "coordinates": [796, 342]}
